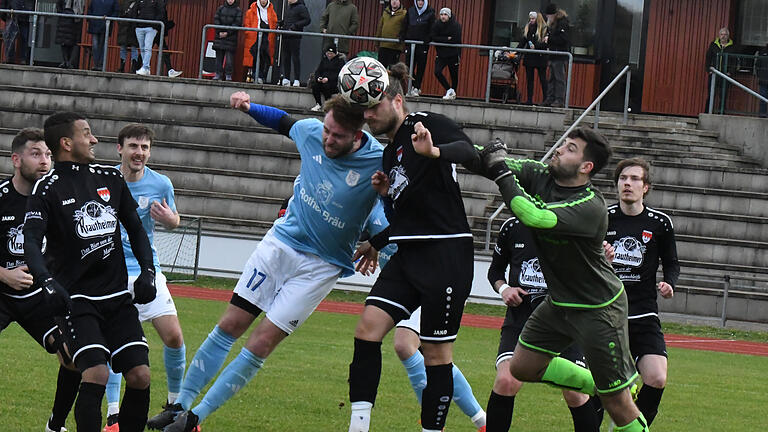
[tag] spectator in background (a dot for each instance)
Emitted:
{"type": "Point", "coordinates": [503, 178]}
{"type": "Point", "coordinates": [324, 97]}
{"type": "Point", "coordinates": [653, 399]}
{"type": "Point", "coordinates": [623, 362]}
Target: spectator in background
{"type": "Point", "coordinates": [533, 38]}
{"type": "Point", "coordinates": [558, 39]}
{"type": "Point", "coordinates": [715, 53]}
{"type": "Point", "coordinates": [340, 17]}
{"type": "Point", "coordinates": [418, 26]}
{"type": "Point", "coordinates": [326, 77]}
{"type": "Point", "coordinates": [225, 44]}
{"type": "Point", "coordinates": [295, 19]}
{"type": "Point", "coordinates": [261, 15]}
{"type": "Point", "coordinates": [68, 30]}
{"type": "Point", "coordinates": [126, 36]}
{"type": "Point", "coordinates": [169, 25]}
{"type": "Point", "coordinates": [762, 77]}
{"type": "Point", "coordinates": [97, 28]}
{"type": "Point", "coordinates": [145, 33]}
{"type": "Point", "coordinates": [391, 25]}
{"type": "Point", "coordinates": [447, 30]}
{"type": "Point", "coordinates": [16, 27]}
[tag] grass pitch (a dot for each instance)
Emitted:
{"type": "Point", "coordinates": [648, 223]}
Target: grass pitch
{"type": "Point", "coordinates": [303, 384]}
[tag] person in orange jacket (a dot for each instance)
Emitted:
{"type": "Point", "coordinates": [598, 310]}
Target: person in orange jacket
{"type": "Point", "coordinates": [261, 14]}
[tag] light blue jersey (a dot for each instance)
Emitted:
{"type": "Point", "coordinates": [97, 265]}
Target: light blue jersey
{"type": "Point", "coordinates": [152, 187]}
{"type": "Point", "coordinates": [377, 221]}
{"type": "Point", "coordinates": [332, 198]}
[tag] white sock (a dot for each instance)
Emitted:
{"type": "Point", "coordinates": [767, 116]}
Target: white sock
{"type": "Point", "coordinates": [172, 397]}
{"type": "Point", "coordinates": [113, 408]}
{"type": "Point", "coordinates": [360, 420]}
{"type": "Point", "coordinates": [479, 419]}
{"type": "Point", "coordinates": [429, 430]}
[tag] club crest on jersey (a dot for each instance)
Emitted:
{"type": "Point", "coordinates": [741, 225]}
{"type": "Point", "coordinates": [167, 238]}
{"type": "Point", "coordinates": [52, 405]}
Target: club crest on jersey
{"type": "Point", "coordinates": [352, 178]}
{"type": "Point", "coordinates": [398, 181]}
{"type": "Point", "coordinates": [324, 192]}
{"type": "Point", "coordinates": [399, 153]}
{"type": "Point", "coordinates": [103, 193]}
{"type": "Point", "coordinates": [629, 252]}
{"type": "Point", "coordinates": [647, 236]}
{"type": "Point", "coordinates": [95, 220]}
{"type": "Point", "coordinates": [143, 202]}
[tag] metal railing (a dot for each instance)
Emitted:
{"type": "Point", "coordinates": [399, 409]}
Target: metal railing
{"type": "Point", "coordinates": [107, 19]}
{"type": "Point", "coordinates": [717, 74]}
{"type": "Point", "coordinates": [412, 43]}
{"type": "Point", "coordinates": [625, 71]}
{"type": "Point", "coordinates": [727, 283]}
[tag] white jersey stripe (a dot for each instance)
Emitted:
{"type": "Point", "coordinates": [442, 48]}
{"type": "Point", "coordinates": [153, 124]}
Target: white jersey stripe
{"type": "Point", "coordinates": [431, 236]}
{"type": "Point", "coordinates": [645, 315]}
{"type": "Point", "coordinates": [105, 297]}
{"type": "Point", "coordinates": [33, 293]}
{"type": "Point", "coordinates": [87, 347]}
{"type": "Point", "coordinates": [381, 299]}
{"type": "Point", "coordinates": [128, 345]}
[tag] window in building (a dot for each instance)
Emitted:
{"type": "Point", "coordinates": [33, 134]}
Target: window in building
{"type": "Point", "coordinates": [582, 15]}
{"type": "Point", "coordinates": [509, 20]}
{"type": "Point", "coordinates": [754, 22]}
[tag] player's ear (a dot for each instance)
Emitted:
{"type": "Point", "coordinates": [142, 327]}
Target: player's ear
{"type": "Point", "coordinates": [587, 167]}
{"type": "Point", "coordinates": [65, 143]}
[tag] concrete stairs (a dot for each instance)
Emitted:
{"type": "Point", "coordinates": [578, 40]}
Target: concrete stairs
{"type": "Point", "coordinates": [234, 173]}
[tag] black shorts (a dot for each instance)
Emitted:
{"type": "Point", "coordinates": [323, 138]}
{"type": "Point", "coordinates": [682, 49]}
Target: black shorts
{"type": "Point", "coordinates": [25, 309]}
{"type": "Point", "coordinates": [645, 337]}
{"type": "Point", "coordinates": [514, 321]}
{"type": "Point", "coordinates": [436, 275]}
{"type": "Point", "coordinates": [105, 331]}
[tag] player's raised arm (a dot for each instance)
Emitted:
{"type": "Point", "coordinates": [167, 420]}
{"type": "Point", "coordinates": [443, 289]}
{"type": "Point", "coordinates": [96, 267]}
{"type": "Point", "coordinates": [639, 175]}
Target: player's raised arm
{"type": "Point", "coordinates": [268, 116]}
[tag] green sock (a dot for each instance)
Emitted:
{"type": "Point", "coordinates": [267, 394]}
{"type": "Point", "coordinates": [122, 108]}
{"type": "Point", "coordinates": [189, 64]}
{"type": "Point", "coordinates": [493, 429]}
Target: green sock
{"type": "Point", "coordinates": [637, 425]}
{"type": "Point", "coordinates": [566, 374]}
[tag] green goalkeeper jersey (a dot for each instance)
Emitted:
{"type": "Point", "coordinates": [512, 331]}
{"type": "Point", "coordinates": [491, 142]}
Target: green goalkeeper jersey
{"type": "Point", "coordinates": [569, 225]}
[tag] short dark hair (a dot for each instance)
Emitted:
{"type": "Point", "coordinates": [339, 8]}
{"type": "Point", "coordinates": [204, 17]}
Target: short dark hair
{"type": "Point", "coordinates": [58, 126]}
{"type": "Point", "coordinates": [24, 136]}
{"type": "Point", "coordinates": [345, 114]}
{"type": "Point", "coordinates": [635, 161]}
{"type": "Point", "coordinates": [135, 130]}
{"type": "Point", "coordinates": [597, 150]}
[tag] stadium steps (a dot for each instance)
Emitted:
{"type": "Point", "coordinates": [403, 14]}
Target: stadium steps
{"type": "Point", "coordinates": [210, 153]}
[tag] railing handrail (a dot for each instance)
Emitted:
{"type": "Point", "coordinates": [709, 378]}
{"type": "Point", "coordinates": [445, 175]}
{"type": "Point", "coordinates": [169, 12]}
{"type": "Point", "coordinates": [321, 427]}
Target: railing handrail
{"type": "Point", "coordinates": [626, 70]}
{"type": "Point", "coordinates": [732, 81]}
{"type": "Point", "coordinates": [413, 43]}
{"type": "Point", "coordinates": [105, 18]}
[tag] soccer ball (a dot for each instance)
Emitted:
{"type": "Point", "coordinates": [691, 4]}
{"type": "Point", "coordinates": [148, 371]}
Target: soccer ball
{"type": "Point", "coordinates": [363, 81]}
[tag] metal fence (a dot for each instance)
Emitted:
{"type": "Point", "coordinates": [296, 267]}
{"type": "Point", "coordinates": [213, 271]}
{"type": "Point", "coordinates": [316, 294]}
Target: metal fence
{"type": "Point", "coordinates": [728, 283]}
{"type": "Point", "coordinates": [107, 19]}
{"type": "Point", "coordinates": [178, 250]}
{"type": "Point", "coordinates": [413, 43]}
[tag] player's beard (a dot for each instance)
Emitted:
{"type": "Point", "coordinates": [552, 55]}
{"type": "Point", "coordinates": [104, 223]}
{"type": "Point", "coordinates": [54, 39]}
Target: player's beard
{"type": "Point", "coordinates": [29, 174]}
{"type": "Point", "coordinates": [560, 172]}
{"type": "Point", "coordinates": [385, 125]}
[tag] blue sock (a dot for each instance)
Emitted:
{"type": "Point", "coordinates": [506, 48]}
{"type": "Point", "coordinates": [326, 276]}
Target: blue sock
{"type": "Point", "coordinates": [462, 394]}
{"type": "Point", "coordinates": [414, 365]}
{"type": "Point", "coordinates": [207, 361]}
{"type": "Point", "coordinates": [234, 377]}
{"type": "Point", "coordinates": [113, 390]}
{"type": "Point", "coordinates": [175, 361]}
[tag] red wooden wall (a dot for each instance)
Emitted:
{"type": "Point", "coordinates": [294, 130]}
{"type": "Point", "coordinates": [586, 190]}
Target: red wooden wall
{"type": "Point", "coordinates": [679, 33]}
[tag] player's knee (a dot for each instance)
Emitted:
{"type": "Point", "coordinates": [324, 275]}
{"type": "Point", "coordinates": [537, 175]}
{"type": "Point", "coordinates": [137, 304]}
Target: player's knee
{"type": "Point", "coordinates": [404, 349]}
{"type": "Point", "coordinates": [574, 399]}
{"type": "Point", "coordinates": [656, 379]}
{"type": "Point", "coordinates": [173, 339]}
{"type": "Point", "coordinates": [505, 384]}
{"type": "Point", "coordinates": [138, 377]}
{"type": "Point", "coordinates": [96, 374]}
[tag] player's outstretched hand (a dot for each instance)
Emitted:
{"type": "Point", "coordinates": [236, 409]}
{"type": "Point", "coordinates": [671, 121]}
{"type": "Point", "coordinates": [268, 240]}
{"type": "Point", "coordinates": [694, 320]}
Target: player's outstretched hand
{"type": "Point", "coordinates": [666, 290]}
{"type": "Point", "coordinates": [610, 251]}
{"type": "Point", "coordinates": [57, 301]}
{"type": "Point", "coordinates": [380, 183]}
{"type": "Point", "coordinates": [493, 156]}
{"type": "Point", "coordinates": [144, 287]}
{"type": "Point", "coordinates": [163, 213]}
{"type": "Point", "coordinates": [240, 100]}
{"type": "Point", "coordinates": [422, 142]}
{"type": "Point", "coordinates": [368, 258]}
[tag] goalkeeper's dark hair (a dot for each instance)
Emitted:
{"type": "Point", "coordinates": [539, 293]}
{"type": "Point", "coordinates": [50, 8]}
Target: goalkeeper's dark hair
{"type": "Point", "coordinates": [597, 150]}
{"type": "Point", "coordinates": [348, 116]}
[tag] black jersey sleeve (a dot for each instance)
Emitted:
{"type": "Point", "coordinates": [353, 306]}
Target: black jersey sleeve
{"type": "Point", "coordinates": [498, 268]}
{"type": "Point", "coordinates": [380, 240]}
{"type": "Point", "coordinates": [137, 236]}
{"type": "Point", "coordinates": [35, 226]}
{"type": "Point", "coordinates": [455, 146]}
{"type": "Point", "coordinates": [668, 254]}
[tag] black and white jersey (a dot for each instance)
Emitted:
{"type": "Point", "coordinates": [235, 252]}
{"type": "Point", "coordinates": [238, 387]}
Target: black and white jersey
{"type": "Point", "coordinates": [425, 193]}
{"type": "Point", "coordinates": [640, 242]}
{"type": "Point", "coordinates": [13, 205]}
{"type": "Point", "coordinates": [516, 249]}
{"type": "Point", "coordinates": [79, 208]}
